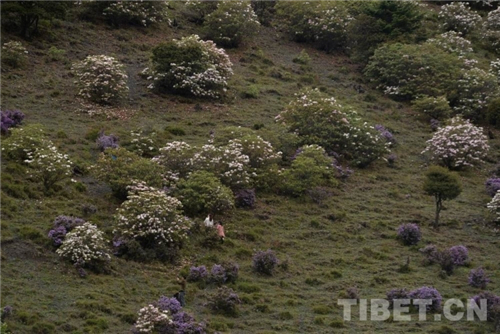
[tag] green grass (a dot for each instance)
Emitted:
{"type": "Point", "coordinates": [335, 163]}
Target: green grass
{"type": "Point", "coordinates": [346, 241]}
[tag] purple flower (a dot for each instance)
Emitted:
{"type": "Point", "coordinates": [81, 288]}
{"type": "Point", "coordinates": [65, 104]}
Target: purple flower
{"type": "Point", "coordinates": [68, 222]}
{"type": "Point", "coordinates": [492, 186]}
{"type": "Point", "coordinates": [492, 301]}
{"type": "Point", "coordinates": [57, 235]}
{"type": "Point", "coordinates": [409, 234]}
{"type": "Point", "coordinates": [245, 198]}
{"type": "Point", "coordinates": [427, 292]}
{"type": "Point", "coordinates": [197, 274]}
{"type": "Point", "coordinates": [104, 142]}
{"type": "Point", "coordinates": [386, 134]}
{"type": "Point", "coordinates": [459, 255]}
{"type": "Point", "coordinates": [264, 262]}
{"type": "Point", "coordinates": [232, 269]}
{"type": "Point", "coordinates": [169, 304]}
{"type": "Point", "coordinates": [397, 294]}
{"type": "Point", "coordinates": [10, 118]}
{"type": "Point", "coordinates": [478, 278]}
{"type": "Point", "coordinates": [218, 274]}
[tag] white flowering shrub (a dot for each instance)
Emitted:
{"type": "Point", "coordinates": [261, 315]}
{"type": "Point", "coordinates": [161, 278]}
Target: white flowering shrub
{"type": "Point", "coordinates": [151, 217]}
{"type": "Point", "coordinates": [101, 79]}
{"type": "Point", "coordinates": [23, 141]}
{"type": "Point", "coordinates": [14, 54]}
{"type": "Point", "coordinates": [143, 144]}
{"type": "Point", "coordinates": [495, 69]}
{"type": "Point", "coordinates": [453, 42]}
{"type": "Point", "coordinates": [84, 245]}
{"type": "Point", "coordinates": [175, 158]}
{"type": "Point", "coordinates": [490, 33]}
{"type": "Point", "coordinates": [198, 10]}
{"type": "Point", "coordinates": [322, 22]}
{"type": "Point", "coordinates": [494, 206]}
{"type": "Point", "coordinates": [459, 17]}
{"type": "Point", "coordinates": [458, 144]}
{"type": "Point", "coordinates": [260, 152]}
{"type": "Point", "coordinates": [190, 66]}
{"type": "Point", "coordinates": [231, 22]}
{"type": "Point", "coordinates": [151, 318]}
{"type": "Point", "coordinates": [475, 88]}
{"type": "Point", "coordinates": [321, 120]}
{"type": "Point", "coordinates": [142, 13]}
{"type": "Point", "coordinates": [435, 107]}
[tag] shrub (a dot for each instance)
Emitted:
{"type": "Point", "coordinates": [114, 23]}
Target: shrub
{"type": "Point", "coordinates": [84, 245]}
{"type": "Point", "coordinates": [265, 262]}
{"type": "Point", "coordinates": [478, 278]}
{"type": "Point", "coordinates": [397, 294]}
{"type": "Point", "coordinates": [231, 270]}
{"type": "Point", "coordinates": [426, 292]}
{"type": "Point", "coordinates": [23, 141]}
{"type": "Point", "coordinates": [224, 301]}
{"type": "Point", "coordinates": [197, 274]}
{"type": "Point", "coordinates": [202, 192]}
{"type": "Point", "coordinates": [198, 10]}
{"type": "Point", "coordinates": [459, 17]}
{"type": "Point", "coordinates": [136, 12]}
{"type": "Point", "coordinates": [101, 79]}
{"type": "Point", "coordinates": [175, 158]}
{"type": "Point", "coordinates": [492, 303]}
{"type": "Point", "coordinates": [14, 54]}
{"type": "Point", "coordinates": [405, 71]}
{"type": "Point", "coordinates": [409, 234]}
{"type": "Point", "coordinates": [63, 225]}
{"type": "Point", "coordinates": [458, 144]}
{"type": "Point", "coordinates": [490, 33]}
{"type": "Point", "coordinates": [453, 42]}
{"type": "Point", "coordinates": [311, 168]}
{"type": "Point", "coordinates": [218, 274]}
{"type": "Point", "coordinates": [244, 198]}
{"type": "Point", "coordinates": [385, 134]}
{"type": "Point", "coordinates": [494, 206]}
{"type": "Point", "coordinates": [10, 119]}
{"type": "Point", "coordinates": [492, 186]}
{"type": "Point", "coordinates": [151, 217]}
{"type": "Point", "coordinates": [436, 107]}
{"type": "Point", "coordinates": [459, 255]}
{"type": "Point", "coordinates": [190, 66]}
{"type": "Point", "coordinates": [344, 133]}
{"type": "Point", "coordinates": [143, 144]}
{"type": "Point", "coordinates": [151, 318]}
{"type": "Point", "coordinates": [302, 58]}
{"type": "Point", "coordinates": [172, 305]}
{"type": "Point", "coordinates": [431, 253]}
{"type": "Point", "coordinates": [103, 142]}
{"type": "Point", "coordinates": [231, 22]}
{"type": "Point", "coordinates": [260, 152]}
{"type": "Point", "coordinates": [118, 167]}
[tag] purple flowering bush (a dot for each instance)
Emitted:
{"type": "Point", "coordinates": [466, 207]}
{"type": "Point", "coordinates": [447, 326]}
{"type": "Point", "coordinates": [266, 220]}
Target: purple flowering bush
{"type": "Point", "coordinates": [104, 141]}
{"type": "Point", "coordinates": [492, 186]}
{"type": "Point", "coordinates": [62, 225]}
{"type": "Point", "coordinates": [171, 305]}
{"type": "Point", "coordinates": [397, 294]}
{"type": "Point", "coordinates": [492, 303]}
{"type": "Point", "coordinates": [224, 301]}
{"type": "Point", "coordinates": [426, 292]}
{"type": "Point", "coordinates": [459, 255]}
{"type": "Point", "coordinates": [244, 198]}
{"type": "Point", "coordinates": [386, 134]}
{"type": "Point", "coordinates": [478, 278]}
{"type": "Point", "coordinates": [265, 262]}
{"type": "Point", "coordinates": [197, 274]}
{"type": "Point", "coordinates": [409, 234]}
{"type": "Point", "coordinates": [218, 274]}
{"type": "Point", "coordinates": [232, 269]}
{"type": "Point", "coordinates": [9, 119]}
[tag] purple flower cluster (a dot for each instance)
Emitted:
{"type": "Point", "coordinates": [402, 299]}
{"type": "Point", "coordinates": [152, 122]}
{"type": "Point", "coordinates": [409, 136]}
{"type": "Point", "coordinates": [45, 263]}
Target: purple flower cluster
{"type": "Point", "coordinates": [9, 119]}
{"type": "Point", "coordinates": [478, 278]}
{"type": "Point", "coordinates": [492, 186]}
{"type": "Point", "coordinates": [218, 274]}
{"type": "Point", "coordinates": [103, 142]}
{"type": "Point", "coordinates": [245, 198]}
{"type": "Point", "coordinates": [232, 269]}
{"type": "Point", "coordinates": [386, 134]}
{"type": "Point", "coordinates": [62, 225]}
{"type": "Point", "coordinates": [397, 294]}
{"type": "Point", "coordinates": [182, 322]}
{"type": "Point", "coordinates": [171, 305]}
{"type": "Point", "coordinates": [264, 262]}
{"type": "Point", "coordinates": [197, 274]}
{"type": "Point", "coordinates": [426, 292]}
{"type": "Point", "coordinates": [492, 301]}
{"type": "Point", "coordinates": [459, 255]}
{"type": "Point", "coordinates": [409, 234]}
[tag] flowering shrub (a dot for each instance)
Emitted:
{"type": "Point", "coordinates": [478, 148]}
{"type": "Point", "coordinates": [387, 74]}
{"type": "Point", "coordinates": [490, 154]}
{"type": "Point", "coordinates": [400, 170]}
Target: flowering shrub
{"type": "Point", "coordinates": [494, 205]}
{"type": "Point", "coordinates": [495, 69]}
{"type": "Point", "coordinates": [136, 12]}
{"type": "Point", "coordinates": [244, 198]}
{"type": "Point", "coordinates": [101, 79]}
{"type": "Point", "coordinates": [224, 301]}
{"type": "Point", "coordinates": [459, 17]}
{"type": "Point", "coordinates": [324, 23]}
{"type": "Point", "coordinates": [197, 274]}
{"type": "Point", "coordinates": [172, 305]}
{"type": "Point", "coordinates": [49, 165]}
{"type": "Point", "coordinates": [14, 54]}
{"type": "Point", "coordinates": [491, 30]}
{"type": "Point", "coordinates": [151, 318]}
{"type": "Point", "coordinates": [478, 278]}
{"type": "Point", "coordinates": [492, 186]}
{"type": "Point", "coordinates": [202, 192]}
{"type": "Point", "coordinates": [321, 120]}
{"type": "Point", "coordinates": [117, 167]}
{"type": "Point", "coordinates": [409, 70]}
{"type": "Point", "coordinates": [311, 168]}
{"type": "Point", "coordinates": [197, 10]}
{"type": "Point", "coordinates": [265, 262]}
{"type": "Point", "coordinates": [492, 303]}
{"type": "Point", "coordinates": [431, 293]}
{"type": "Point", "coordinates": [386, 134]}
{"type": "Point", "coordinates": [218, 274]}
{"type": "Point", "coordinates": [190, 66]}
{"type": "Point", "coordinates": [23, 141]}
{"type": "Point", "coordinates": [475, 89]}
{"type": "Point", "coordinates": [409, 234]}
{"type": "Point", "coordinates": [431, 253]}
{"type": "Point", "coordinates": [459, 255]}
{"type": "Point", "coordinates": [84, 245]}
{"type": "Point", "coordinates": [175, 158]}
{"type": "Point", "coordinates": [453, 42]}
{"type": "Point", "coordinates": [62, 225]}
{"type": "Point", "coordinates": [397, 294]}
{"type": "Point", "coordinates": [10, 119]}
{"type": "Point", "coordinates": [458, 144]}
{"type": "Point", "coordinates": [151, 217]}
{"type": "Point", "coordinates": [143, 144]}
{"type": "Point", "coordinates": [436, 107]}
{"type": "Point", "coordinates": [103, 142]}
{"type": "Point", "coordinates": [231, 270]}
{"type": "Point", "coordinates": [231, 22]}
{"type": "Point", "coordinates": [259, 151]}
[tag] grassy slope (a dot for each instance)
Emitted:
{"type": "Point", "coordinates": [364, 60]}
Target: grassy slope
{"type": "Point", "coordinates": [361, 246]}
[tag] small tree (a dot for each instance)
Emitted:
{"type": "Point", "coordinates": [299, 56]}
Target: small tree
{"type": "Point", "coordinates": [443, 185]}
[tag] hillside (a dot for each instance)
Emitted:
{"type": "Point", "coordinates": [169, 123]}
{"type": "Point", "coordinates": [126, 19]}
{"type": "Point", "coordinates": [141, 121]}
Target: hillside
{"type": "Point", "coordinates": [343, 238]}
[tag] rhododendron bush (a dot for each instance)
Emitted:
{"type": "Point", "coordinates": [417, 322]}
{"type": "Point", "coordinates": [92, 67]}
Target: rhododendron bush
{"type": "Point", "coordinates": [491, 31]}
{"type": "Point", "coordinates": [457, 16]}
{"type": "Point", "coordinates": [101, 79]}
{"type": "Point", "coordinates": [14, 54]}
{"type": "Point", "coordinates": [151, 318]}
{"type": "Point", "coordinates": [136, 12]}
{"type": "Point", "coordinates": [322, 120]}
{"type": "Point", "coordinates": [453, 42]}
{"type": "Point", "coordinates": [436, 107]}
{"type": "Point", "coordinates": [190, 66]}
{"type": "Point", "coordinates": [151, 217]}
{"type": "Point", "coordinates": [494, 206]}
{"type": "Point", "coordinates": [458, 144]}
